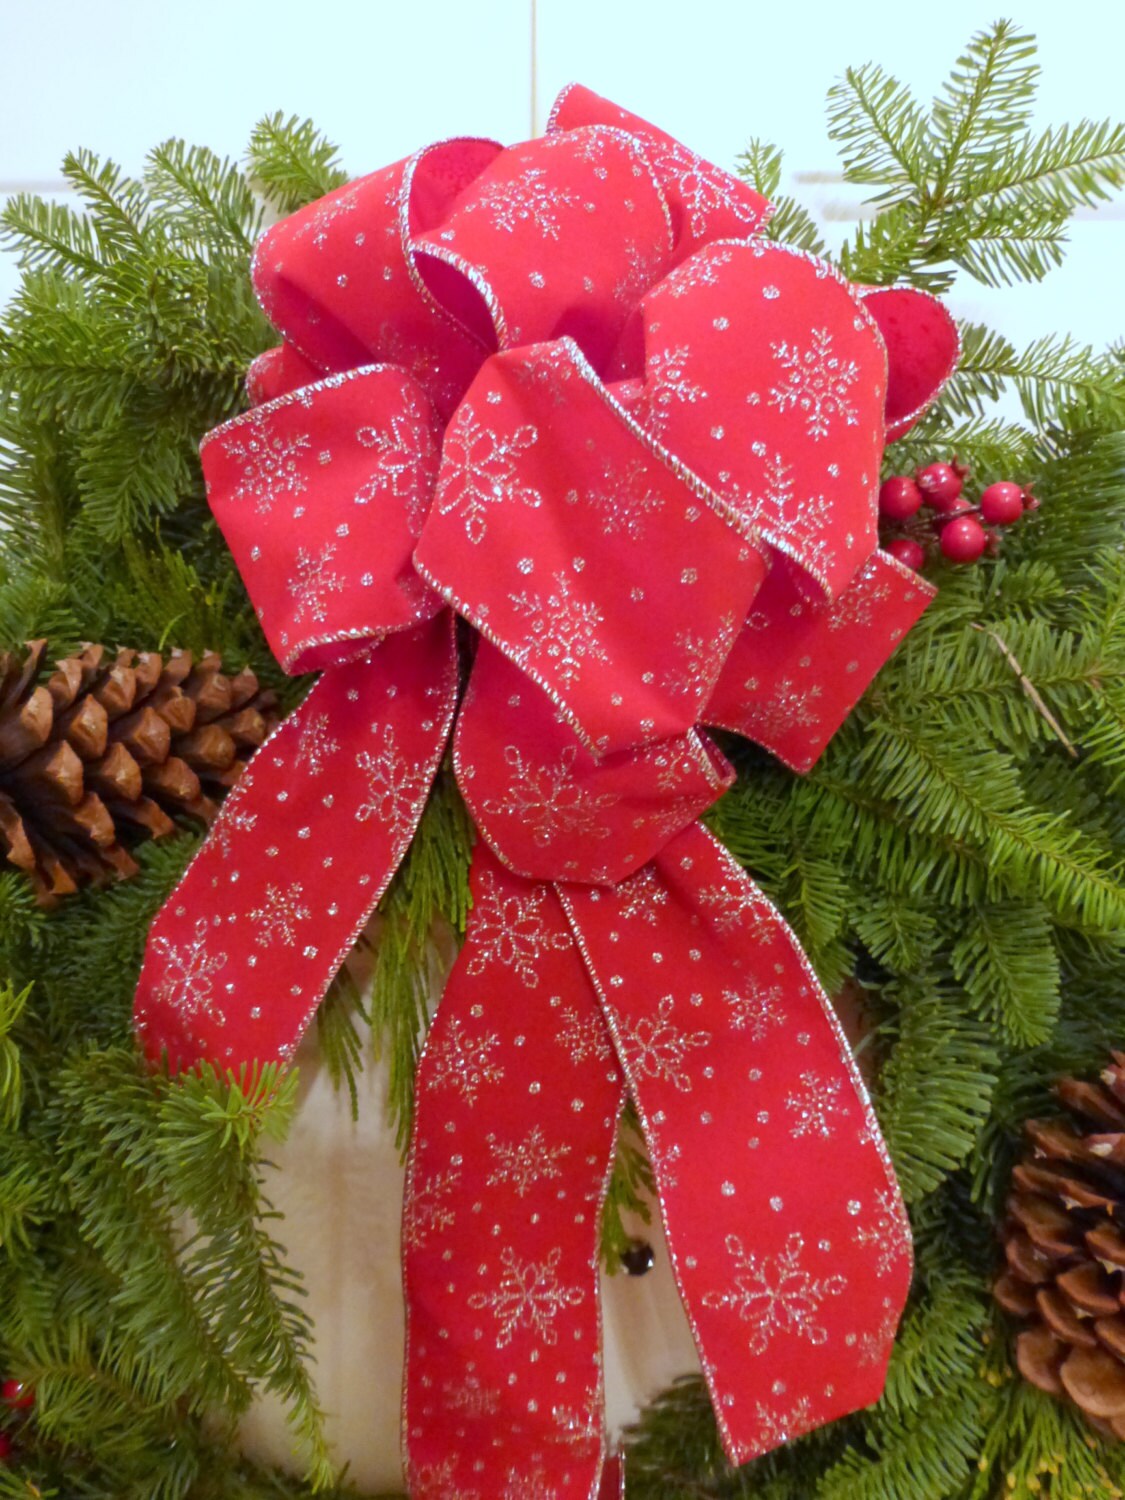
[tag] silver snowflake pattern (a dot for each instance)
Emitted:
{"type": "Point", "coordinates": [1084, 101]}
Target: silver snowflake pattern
{"type": "Point", "coordinates": [229, 823]}
{"type": "Point", "coordinates": [479, 470]}
{"type": "Point", "coordinates": [667, 385]}
{"type": "Point", "coordinates": [395, 787]}
{"type": "Point", "coordinates": [463, 1063]}
{"type": "Point", "coordinates": [875, 1347]}
{"type": "Point", "coordinates": [889, 1232]}
{"type": "Point", "coordinates": [815, 1105]}
{"type": "Point", "coordinates": [325, 213]}
{"type": "Point", "coordinates": [803, 522]}
{"type": "Point", "coordinates": [521, 1484]}
{"type": "Point", "coordinates": [663, 1159]}
{"type": "Point", "coordinates": [703, 188]}
{"type": "Point", "coordinates": [740, 906]}
{"type": "Point", "coordinates": [529, 1295]}
{"type": "Point", "coordinates": [424, 364]}
{"type": "Point", "coordinates": [436, 1482]}
{"type": "Point", "coordinates": [524, 1163]}
{"type": "Point", "coordinates": [776, 1294]}
{"type": "Point", "coordinates": [677, 762]}
{"type": "Point", "coordinates": [639, 273]}
{"type": "Point", "coordinates": [188, 981]}
{"type": "Point", "coordinates": [426, 1211]}
{"type": "Point", "coordinates": [549, 800]}
{"type": "Point", "coordinates": [653, 1047]}
{"type": "Point", "coordinates": [313, 582]}
{"type": "Point", "coordinates": [279, 915]}
{"type": "Point", "coordinates": [510, 931]}
{"type": "Point", "coordinates": [786, 708]}
{"type": "Point", "coordinates": [755, 1008]}
{"type": "Point", "coordinates": [470, 1398]}
{"type": "Point", "coordinates": [856, 605]}
{"type": "Point", "coordinates": [404, 456]}
{"type": "Point", "coordinates": [271, 462]}
{"type": "Point", "coordinates": [621, 499]}
{"type": "Point", "coordinates": [696, 272]}
{"type": "Point", "coordinates": [777, 1427]}
{"type": "Point", "coordinates": [582, 1426]}
{"type": "Point", "coordinates": [315, 744]}
{"type": "Point", "coordinates": [641, 896]}
{"type": "Point", "coordinates": [530, 199]}
{"type": "Point", "coordinates": [562, 631]}
{"type": "Point", "coordinates": [584, 1036]}
{"type": "Point", "coordinates": [816, 382]}
{"type": "Point", "coordinates": [700, 659]}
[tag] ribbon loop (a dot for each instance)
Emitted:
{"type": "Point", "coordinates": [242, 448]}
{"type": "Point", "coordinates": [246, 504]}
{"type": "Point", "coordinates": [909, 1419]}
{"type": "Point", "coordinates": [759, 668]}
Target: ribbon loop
{"type": "Point", "coordinates": [564, 553]}
{"type": "Point", "coordinates": [706, 203]}
{"type": "Point", "coordinates": [549, 808]}
{"type": "Point", "coordinates": [799, 665]}
{"type": "Point", "coordinates": [794, 440]}
{"type": "Point", "coordinates": [321, 494]}
{"type": "Point", "coordinates": [534, 292]}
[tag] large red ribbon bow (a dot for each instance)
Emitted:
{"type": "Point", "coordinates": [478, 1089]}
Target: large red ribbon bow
{"type": "Point", "coordinates": [566, 392]}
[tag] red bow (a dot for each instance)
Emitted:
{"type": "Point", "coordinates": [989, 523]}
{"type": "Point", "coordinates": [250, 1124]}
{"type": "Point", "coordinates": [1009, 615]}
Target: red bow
{"type": "Point", "coordinates": [564, 392]}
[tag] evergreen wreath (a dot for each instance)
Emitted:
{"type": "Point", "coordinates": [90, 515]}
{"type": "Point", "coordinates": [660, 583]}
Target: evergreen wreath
{"type": "Point", "coordinates": [956, 853]}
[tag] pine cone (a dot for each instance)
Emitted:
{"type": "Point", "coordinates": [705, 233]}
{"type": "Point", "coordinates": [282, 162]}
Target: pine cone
{"type": "Point", "coordinates": [1064, 1241]}
{"type": "Point", "coordinates": [99, 755]}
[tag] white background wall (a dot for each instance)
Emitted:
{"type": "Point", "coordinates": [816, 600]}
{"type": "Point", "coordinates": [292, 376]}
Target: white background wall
{"type": "Point", "coordinates": [381, 79]}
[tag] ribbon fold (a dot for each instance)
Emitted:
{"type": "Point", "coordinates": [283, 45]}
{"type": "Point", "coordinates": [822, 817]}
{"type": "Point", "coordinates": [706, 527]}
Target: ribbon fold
{"type": "Point", "coordinates": [567, 392]}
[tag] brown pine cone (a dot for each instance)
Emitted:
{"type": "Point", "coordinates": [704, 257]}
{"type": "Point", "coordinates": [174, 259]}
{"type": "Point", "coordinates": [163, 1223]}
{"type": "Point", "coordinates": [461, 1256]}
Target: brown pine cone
{"type": "Point", "coordinates": [102, 752]}
{"type": "Point", "coordinates": [1064, 1243]}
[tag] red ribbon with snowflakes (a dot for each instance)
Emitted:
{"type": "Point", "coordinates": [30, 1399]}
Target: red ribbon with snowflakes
{"type": "Point", "coordinates": [568, 393]}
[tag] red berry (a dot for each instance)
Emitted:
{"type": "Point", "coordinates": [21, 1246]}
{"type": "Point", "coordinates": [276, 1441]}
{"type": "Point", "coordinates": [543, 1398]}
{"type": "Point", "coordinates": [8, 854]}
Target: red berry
{"type": "Point", "coordinates": [939, 483]}
{"type": "Point", "coordinates": [963, 540]}
{"type": "Point", "coordinates": [908, 552]}
{"type": "Point", "coordinates": [1001, 503]}
{"type": "Point", "coordinates": [15, 1394]}
{"type": "Point", "coordinates": [899, 498]}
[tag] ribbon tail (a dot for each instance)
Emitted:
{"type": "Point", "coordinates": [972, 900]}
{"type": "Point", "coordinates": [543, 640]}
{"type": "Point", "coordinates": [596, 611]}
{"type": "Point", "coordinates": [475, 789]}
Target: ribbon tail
{"type": "Point", "coordinates": [788, 1236]}
{"type": "Point", "coordinates": [517, 1101]}
{"type": "Point", "coordinates": [242, 952]}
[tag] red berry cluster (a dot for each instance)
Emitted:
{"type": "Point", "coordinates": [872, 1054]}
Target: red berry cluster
{"type": "Point", "coordinates": [15, 1397]}
{"type": "Point", "coordinates": [961, 536]}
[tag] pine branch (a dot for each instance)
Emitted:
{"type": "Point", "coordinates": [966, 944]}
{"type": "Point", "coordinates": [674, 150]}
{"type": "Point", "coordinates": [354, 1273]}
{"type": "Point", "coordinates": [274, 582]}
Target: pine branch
{"type": "Point", "coordinates": [47, 236]}
{"type": "Point", "coordinates": [193, 191]}
{"type": "Point", "coordinates": [632, 1188]}
{"type": "Point", "coordinates": [880, 130]}
{"type": "Point", "coordinates": [118, 215]}
{"type": "Point", "coordinates": [927, 1457]}
{"type": "Point", "coordinates": [1007, 963]}
{"type": "Point", "coordinates": [937, 1085]}
{"type": "Point", "coordinates": [987, 98]}
{"type": "Point", "coordinates": [431, 888]}
{"type": "Point", "coordinates": [292, 163]}
{"type": "Point", "coordinates": [1071, 167]}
